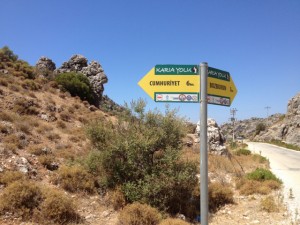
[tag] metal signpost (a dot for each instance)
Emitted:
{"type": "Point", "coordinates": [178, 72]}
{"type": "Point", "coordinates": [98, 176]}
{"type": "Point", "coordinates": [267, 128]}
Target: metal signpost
{"type": "Point", "coordinates": [203, 146]}
{"type": "Point", "coordinates": [181, 83]}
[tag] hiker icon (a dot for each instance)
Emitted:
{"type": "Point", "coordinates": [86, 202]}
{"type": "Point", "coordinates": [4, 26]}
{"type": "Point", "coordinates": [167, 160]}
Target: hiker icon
{"type": "Point", "coordinates": [195, 69]}
{"type": "Point", "coordinates": [189, 84]}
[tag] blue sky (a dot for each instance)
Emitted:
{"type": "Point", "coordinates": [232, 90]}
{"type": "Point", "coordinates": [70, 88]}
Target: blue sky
{"type": "Point", "coordinates": [258, 42]}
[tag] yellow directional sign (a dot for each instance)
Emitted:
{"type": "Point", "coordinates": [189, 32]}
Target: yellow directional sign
{"type": "Point", "coordinates": [181, 83]}
{"type": "Point", "coordinates": [221, 89]}
{"type": "Point", "coordinates": [172, 83]}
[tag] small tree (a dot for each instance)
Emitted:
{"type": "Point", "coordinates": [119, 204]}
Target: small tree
{"type": "Point", "coordinates": [140, 153]}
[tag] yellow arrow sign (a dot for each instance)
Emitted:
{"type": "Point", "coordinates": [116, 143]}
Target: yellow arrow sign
{"type": "Point", "coordinates": [181, 83]}
{"type": "Point", "coordinates": [171, 87]}
{"type": "Point", "coordinates": [221, 89]}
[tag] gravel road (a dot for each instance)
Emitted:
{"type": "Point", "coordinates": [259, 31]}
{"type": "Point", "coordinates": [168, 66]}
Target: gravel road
{"type": "Point", "coordinates": [285, 164]}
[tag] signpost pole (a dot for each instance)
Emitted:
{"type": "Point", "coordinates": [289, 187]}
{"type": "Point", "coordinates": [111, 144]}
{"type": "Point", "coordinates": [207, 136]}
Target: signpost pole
{"type": "Point", "coordinates": [203, 144]}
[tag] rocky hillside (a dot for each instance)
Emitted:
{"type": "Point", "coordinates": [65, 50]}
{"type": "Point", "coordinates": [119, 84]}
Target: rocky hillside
{"type": "Point", "coordinates": [63, 160]}
{"type": "Point", "coordinates": [281, 127]}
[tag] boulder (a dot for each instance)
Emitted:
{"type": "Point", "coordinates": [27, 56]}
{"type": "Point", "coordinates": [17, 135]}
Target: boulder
{"type": "Point", "coordinates": [75, 64]}
{"type": "Point", "coordinates": [44, 67]}
{"type": "Point", "coordinates": [93, 71]}
{"type": "Point", "coordinates": [215, 137]}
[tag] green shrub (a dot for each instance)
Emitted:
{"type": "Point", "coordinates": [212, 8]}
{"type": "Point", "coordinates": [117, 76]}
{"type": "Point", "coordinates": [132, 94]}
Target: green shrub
{"type": "Point", "coordinates": [144, 158]}
{"type": "Point", "coordinates": [233, 145]}
{"type": "Point", "coordinates": [139, 214]}
{"type": "Point", "coordinates": [58, 208]}
{"type": "Point", "coordinates": [260, 127]}
{"type": "Point", "coordinates": [261, 174]}
{"type": "Point", "coordinates": [20, 198]}
{"type": "Point", "coordinates": [75, 178]}
{"type": "Point", "coordinates": [16, 67]}
{"type": "Point", "coordinates": [172, 221]}
{"type": "Point", "coordinates": [261, 159]}
{"type": "Point", "coordinates": [242, 152]}
{"type": "Point", "coordinates": [7, 55]}
{"type": "Point", "coordinates": [77, 84]}
{"type": "Point", "coordinates": [285, 145]}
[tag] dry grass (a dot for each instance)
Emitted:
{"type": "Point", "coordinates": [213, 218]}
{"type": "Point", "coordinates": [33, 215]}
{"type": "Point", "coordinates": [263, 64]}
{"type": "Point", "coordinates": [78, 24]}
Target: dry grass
{"type": "Point", "coordinates": [6, 116]}
{"type": "Point", "coordinates": [9, 177]}
{"type": "Point", "coordinates": [75, 179]}
{"type": "Point", "coordinates": [139, 214]}
{"type": "Point", "coordinates": [173, 221]}
{"type": "Point", "coordinates": [268, 204]}
{"type": "Point", "coordinates": [58, 208]}
{"type": "Point", "coordinates": [116, 198]}
{"type": "Point", "coordinates": [249, 187]}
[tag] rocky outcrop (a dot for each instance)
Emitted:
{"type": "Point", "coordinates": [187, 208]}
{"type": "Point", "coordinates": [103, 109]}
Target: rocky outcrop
{"type": "Point", "coordinates": [215, 137]}
{"type": "Point", "coordinates": [288, 129]}
{"type": "Point", "coordinates": [247, 128]}
{"type": "Point", "coordinates": [282, 127]}
{"type": "Point", "coordinates": [44, 67]}
{"type": "Point", "coordinates": [291, 130]}
{"type": "Point", "coordinates": [93, 71]}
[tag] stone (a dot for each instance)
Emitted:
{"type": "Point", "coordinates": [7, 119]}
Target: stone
{"type": "Point", "coordinates": [52, 166]}
{"type": "Point", "coordinates": [215, 137]}
{"type": "Point", "coordinates": [23, 165]}
{"type": "Point", "coordinates": [43, 66]}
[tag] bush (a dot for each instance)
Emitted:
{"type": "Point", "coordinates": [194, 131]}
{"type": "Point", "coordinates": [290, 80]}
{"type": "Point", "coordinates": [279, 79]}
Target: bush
{"type": "Point", "coordinates": [31, 85]}
{"type": "Point", "coordinates": [77, 84]}
{"type": "Point", "coordinates": [6, 116]}
{"type": "Point", "coordinates": [7, 55]}
{"type": "Point", "coordinates": [20, 198]}
{"type": "Point", "coordinates": [144, 158]}
{"type": "Point", "coordinates": [139, 214]}
{"type": "Point", "coordinates": [58, 208]}
{"type": "Point", "coordinates": [9, 177]}
{"type": "Point", "coordinates": [171, 221]}
{"type": "Point", "coordinates": [117, 198]}
{"type": "Point", "coordinates": [48, 162]}
{"type": "Point", "coordinates": [219, 195]}
{"type": "Point", "coordinates": [261, 174]}
{"type": "Point", "coordinates": [260, 158]}
{"type": "Point", "coordinates": [75, 178]}
{"type": "Point", "coordinates": [242, 152]}
{"type": "Point", "coordinates": [268, 204]}
{"type": "Point", "coordinates": [249, 187]}
{"type": "Point", "coordinates": [260, 127]}
{"type": "Point", "coordinates": [26, 106]}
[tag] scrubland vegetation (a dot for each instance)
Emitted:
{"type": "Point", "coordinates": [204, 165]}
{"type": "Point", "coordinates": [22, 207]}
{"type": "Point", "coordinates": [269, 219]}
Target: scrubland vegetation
{"type": "Point", "coordinates": [137, 159]}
